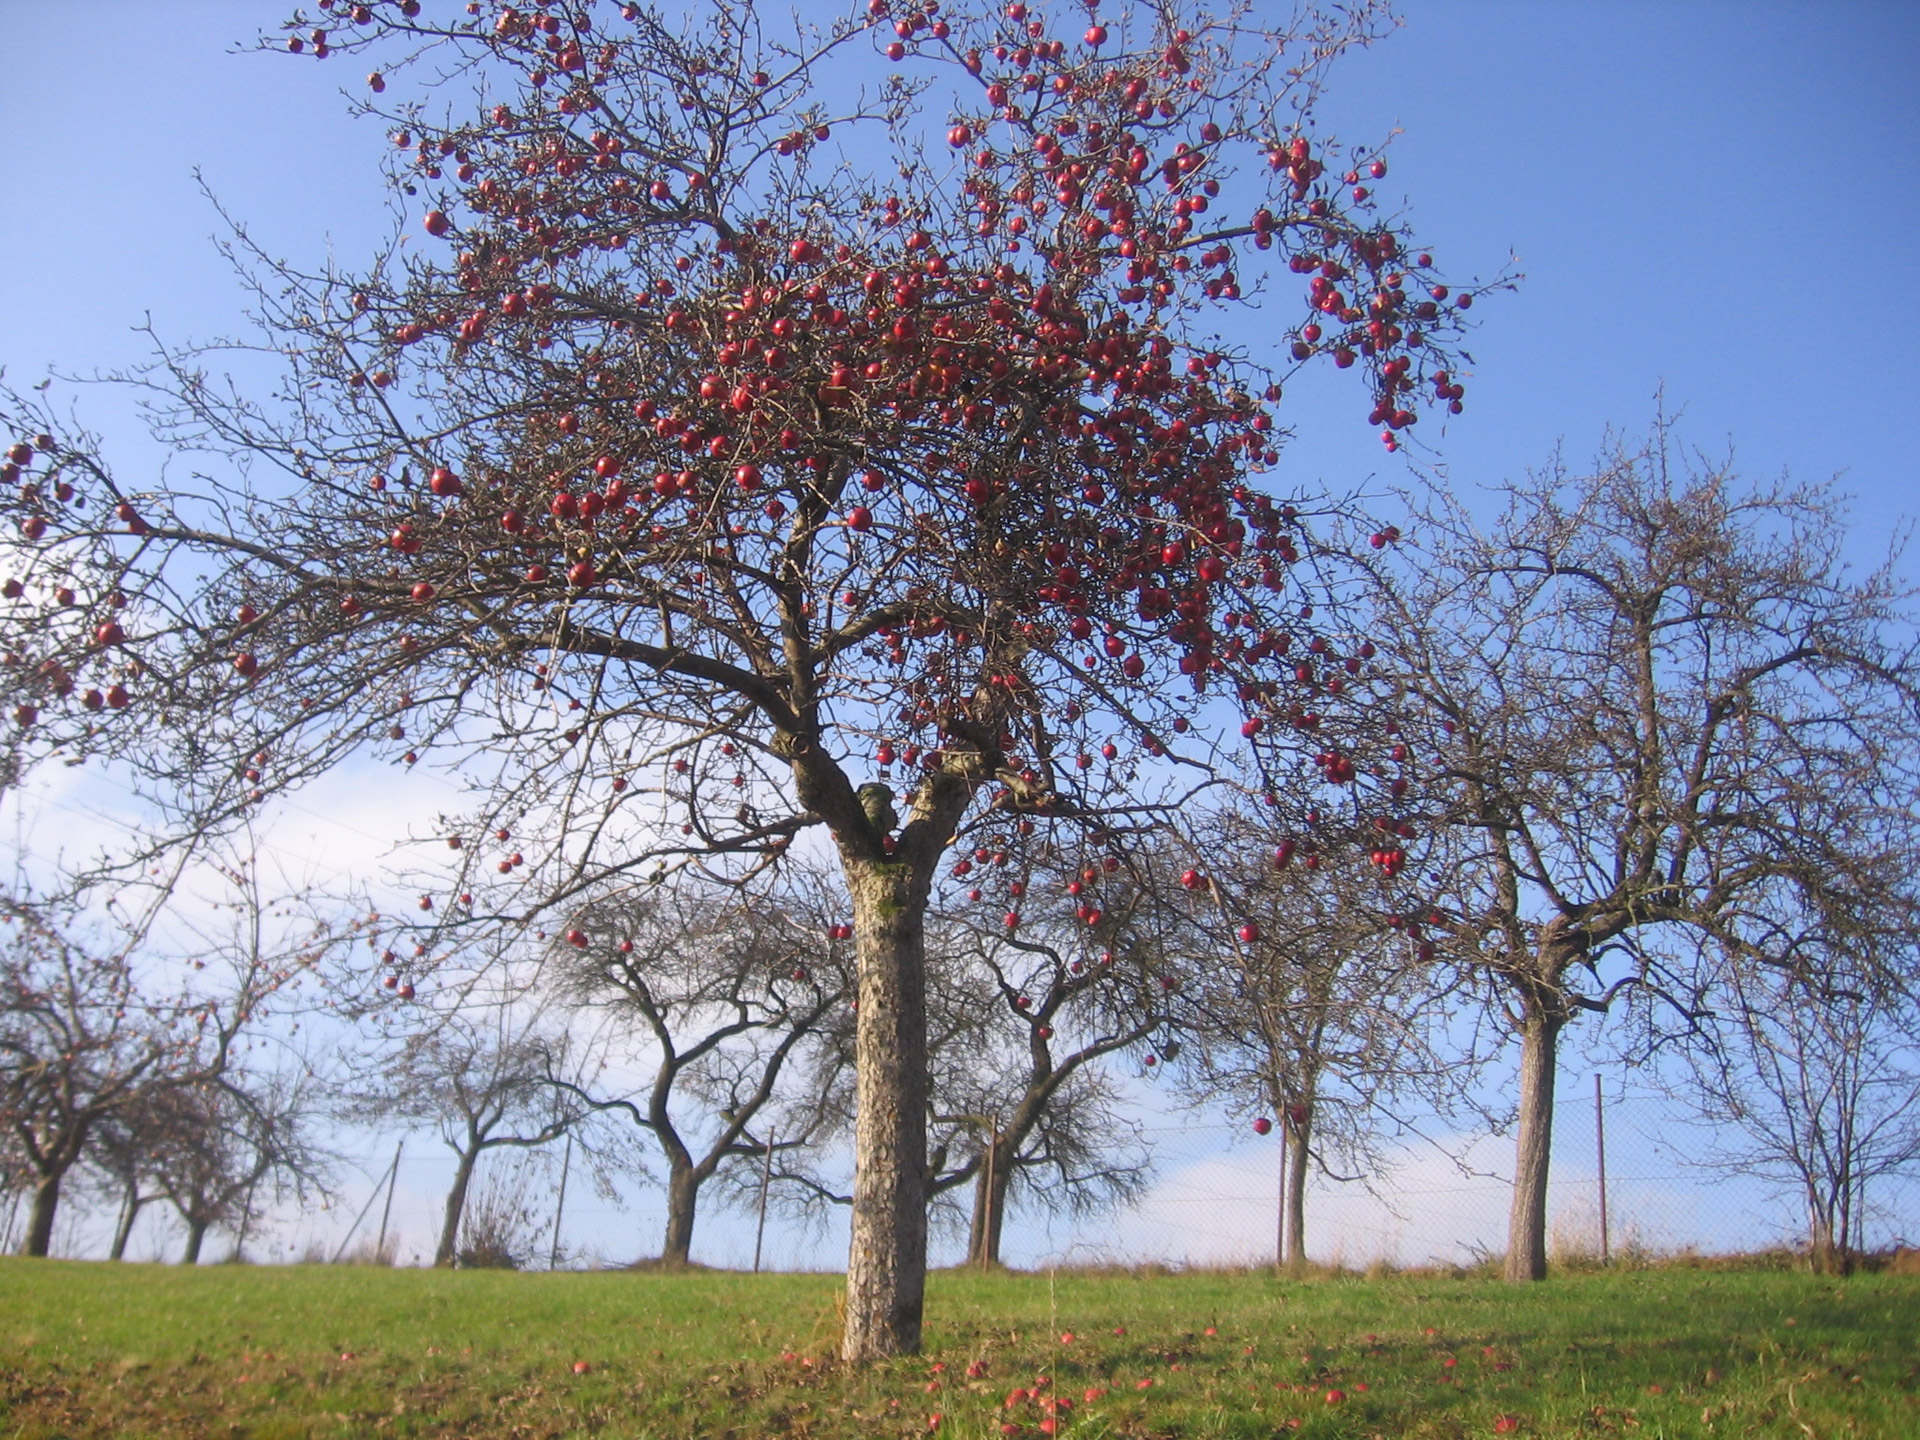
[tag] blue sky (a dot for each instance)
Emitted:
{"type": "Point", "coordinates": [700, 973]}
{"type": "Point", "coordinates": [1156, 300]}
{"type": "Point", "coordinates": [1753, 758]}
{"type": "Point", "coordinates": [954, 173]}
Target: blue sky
{"type": "Point", "coordinates": [1721, 197]}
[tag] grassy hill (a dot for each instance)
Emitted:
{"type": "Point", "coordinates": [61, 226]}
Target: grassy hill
{"type": "Point", "coordinates": [91, 1349]}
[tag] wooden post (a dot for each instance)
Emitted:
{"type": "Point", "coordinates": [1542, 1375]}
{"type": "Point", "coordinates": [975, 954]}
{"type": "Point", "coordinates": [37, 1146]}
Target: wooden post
{"type": "Point", "coordinates": [766, 1179]}
{"type": "Point", "coordinates": [386, 1210]}
{"type": "Point", "coordinates": [560, 1205]}
{"type": "Point", "coordinates": [354, 1228]}
{"type": "Point", "coordinates": [1600, 1149]}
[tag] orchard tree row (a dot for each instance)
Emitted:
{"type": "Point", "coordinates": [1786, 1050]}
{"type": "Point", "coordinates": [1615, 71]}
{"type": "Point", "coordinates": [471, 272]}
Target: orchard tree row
{"type": "Point", "coordinates": [770, 444]}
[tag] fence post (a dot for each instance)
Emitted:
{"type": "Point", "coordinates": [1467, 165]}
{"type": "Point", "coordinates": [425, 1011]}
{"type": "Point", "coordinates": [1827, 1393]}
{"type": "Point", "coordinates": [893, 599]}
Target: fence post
{"type": "Point", "coordinates": [1600, 1148]}
{"type": "Point", "coordinates": [766, 1179]}
{"type": "Point", "coordinates": [560, 1205]}
{"type": "Point", "coordinates": [393, 1179]}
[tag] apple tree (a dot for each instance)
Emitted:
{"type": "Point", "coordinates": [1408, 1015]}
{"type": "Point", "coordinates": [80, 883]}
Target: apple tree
{"type": "Point", "coordinates": [760, 429]}
{"type": "Point", "coordinates": [1651, 711]}
{"type": "Point", "coordinates": [1325, 1006]}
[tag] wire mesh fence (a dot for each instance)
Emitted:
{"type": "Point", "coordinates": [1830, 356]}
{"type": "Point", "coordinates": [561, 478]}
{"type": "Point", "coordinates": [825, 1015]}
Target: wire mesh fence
{"type": "Point", "coordinates": [1213, 1199]}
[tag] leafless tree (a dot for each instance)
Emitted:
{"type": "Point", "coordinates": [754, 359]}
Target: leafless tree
{"type": "Point", "coordinates": [484, 1074]}
{"type": "Point", "coordinates": [102, 1015]}
{"type": "Point", "coordinates": [720, 998]}
{"type": "Point", "coordinates": [1645, 703]}
{"type": "Point", "coordinates": [1811, 1080]}
{"type": "Point", "coordinates": [1025, 1108]}
{"type": "Point", "coordinates": [119, 1163]}
{"type": "Point", "coordinates": [1020, 1106]}
{"type": "Point", "coordinates": [215, 1143]}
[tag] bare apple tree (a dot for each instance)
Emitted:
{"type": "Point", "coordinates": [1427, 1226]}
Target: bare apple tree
{"type": "Point", "coordinates": [102, 1016]}
{"type": "Point", "coordinates": [762, 407]}
{"type": "Point", "coordinates": [715, 1000]}
{"type": "Point", "coordinates": [1643, 705]}
{"type": "Point", "coordinates": [488, 1075]}
{"type": "Point", "coordinates": [215, 1143]}
{"type": "Point", "coordinates": [1812, 1079]}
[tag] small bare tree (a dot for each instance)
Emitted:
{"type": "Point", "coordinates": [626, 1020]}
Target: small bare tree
{"type": "Point", "coordinates": [483, 1074]}
{"type": "Point", "coordinates": [119, 1165]}
{"type": "Point", "coordinates": [1813, 1083]}
{"type": "Point", "coordinates": [718, 992]}
{"type": "Point", "coordinates": [215, 1143]}
{"type": "Point", "coordinates": [1640, 701]}
{"type": "Point", "coordinates": [1023, 1105]}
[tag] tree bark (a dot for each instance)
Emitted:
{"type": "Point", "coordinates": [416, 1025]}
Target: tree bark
{"type": "Point", "coordinates": [196, 1235]}
{"type": "Point", "coordinates": [445, 1251]}
{"type": "Point", "coordinates": [1527, 1220]}
{"type": "Point", "coordinates": [683, 1198]}
{"type": "Point", "coordinates": [1826, 1252]}
{"type": "Point", "coordinates": [1296, 1137]}
{"type": "Point", "coordinates": [990, 1204]}
{"type": "Point", "coordinates": [887, 1260]}
{"type": "Point", "coordinates": [46, 1201]}
{"type": "Point", "coordinates": [130, 1210]}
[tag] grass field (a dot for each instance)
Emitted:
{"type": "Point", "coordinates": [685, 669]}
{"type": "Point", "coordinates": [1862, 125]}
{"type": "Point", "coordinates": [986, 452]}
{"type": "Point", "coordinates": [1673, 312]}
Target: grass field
{"type": "Point", "coordinates": [90, 1349]}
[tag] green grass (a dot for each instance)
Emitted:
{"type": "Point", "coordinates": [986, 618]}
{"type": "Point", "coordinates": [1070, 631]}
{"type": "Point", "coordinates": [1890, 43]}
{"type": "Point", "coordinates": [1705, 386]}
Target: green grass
{"type": "Point", "coordinates": [130, 1350]}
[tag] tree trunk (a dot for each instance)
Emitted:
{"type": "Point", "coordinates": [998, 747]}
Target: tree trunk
{"type": "Point", "coordinates": [1826, 1253]}
{"type": "Point", "coordinates": [1295, 1197]}
{"type": "Point", "coordinates": [1527, 1221]}
{"type": "Point", "coordinates": [46, 1200]}
{"type": "Point", "coordinates": [887, 1260]}
{"type": "Point", "coordinates": [683, 1198]}
{"type": "Point", "coordinates": [129, 1212]}
{"type": "Point", "coordinates": [196, 1234]}
{"type": "Point", "coordinates": [445, 1251]}
{"type": "Point", "coordinates": [990, 1204]}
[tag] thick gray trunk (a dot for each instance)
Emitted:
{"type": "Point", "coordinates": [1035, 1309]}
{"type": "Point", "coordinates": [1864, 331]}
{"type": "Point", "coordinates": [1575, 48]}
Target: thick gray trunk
{"type": "Point", "coordinates": [196, 1236]}
{"type": "Point", "coordinates": [46, 1201]}
{"type": "Point", "coordinates": [887, 1260]}
{"type": "Point", "coordinates": [445, 1251]}
{"type": "Point", "coordinates": [1296, 1193]}
{"type": "Point", "coordinates": [683, 1199]}
{"type": "Point", "coordinates": [1527, 1220]}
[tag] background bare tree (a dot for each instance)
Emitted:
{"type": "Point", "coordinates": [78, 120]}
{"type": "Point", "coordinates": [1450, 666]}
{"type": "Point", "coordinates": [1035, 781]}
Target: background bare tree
{"type": "Point", "coordinates": [1639, 701]}
{"type": "Point", "coordinates": [715, 998]}
{"type": "Point", "coordinates": [215, 1143]}
{"type": "Point", "coordinates": [1812, 1081]}
{"type": "Point", "coordinates": [119, 1166]}
{"type": "Point", "coordinates": [103, 1013]}
{"type": "Point", "coordinates": [1024, 1106]}
{"type": "Point", "coordinates": [484, 1074]}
